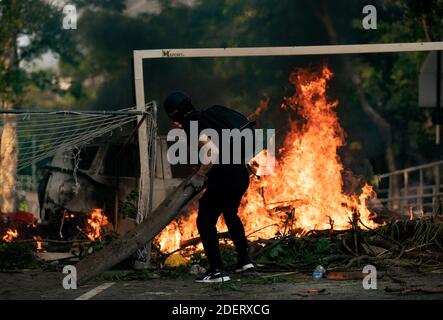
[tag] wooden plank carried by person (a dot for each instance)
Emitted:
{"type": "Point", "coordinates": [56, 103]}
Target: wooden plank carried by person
{"type": "Point", "coordinates": [125, 246]}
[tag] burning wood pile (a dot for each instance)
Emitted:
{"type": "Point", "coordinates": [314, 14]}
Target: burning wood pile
{"type": "Point", "coordinates": [300, 215]}
{"type": "Point", "coordinates": [420, 241]}
{"type": "Point", "coordinates": [305, 191]}
{"type": "Point", "coordinates": [414, 243]}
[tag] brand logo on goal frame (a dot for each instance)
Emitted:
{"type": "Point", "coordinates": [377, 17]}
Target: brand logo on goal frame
{"type": "Point", "coordinates": [171, 54]}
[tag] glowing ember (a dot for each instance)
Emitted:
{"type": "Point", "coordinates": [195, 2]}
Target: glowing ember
{"type": "Point", "coordinates": [39, 243]}
{"type": "Point", "coordinates": [10, 235]}
{"type": "Point", "coordinates": [96, 221]}
{"type": "Point", "coordinates": [69, 216]}
{"type": "Point", "coordinates": [304, 192]}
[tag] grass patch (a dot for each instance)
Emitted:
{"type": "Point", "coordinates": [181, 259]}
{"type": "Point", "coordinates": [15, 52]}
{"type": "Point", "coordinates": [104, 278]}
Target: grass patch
{"type": "Point", "coordinates": [225, 286]}
{"type": "Point", "coordinates": [174, 272]}
{"type": "Point", "coordinates": [267, 280]}
{"type": "Point", "coordinates": [17, 255]}
{"type": "Point", "coordinates": [131, 275]}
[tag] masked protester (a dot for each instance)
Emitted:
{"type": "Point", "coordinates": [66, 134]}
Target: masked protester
{"type": "Point", "coordinates": [225, 183]}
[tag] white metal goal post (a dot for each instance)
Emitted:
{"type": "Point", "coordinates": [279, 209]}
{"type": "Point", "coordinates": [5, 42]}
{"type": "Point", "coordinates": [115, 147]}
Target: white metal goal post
{"type": "Point", "coordinates": [140, 55]}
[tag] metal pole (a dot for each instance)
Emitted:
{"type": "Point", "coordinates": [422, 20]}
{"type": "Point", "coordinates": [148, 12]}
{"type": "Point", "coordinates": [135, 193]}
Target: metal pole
{"type": "Point", "coordinates": [436, 191]}
{"type": "Point", "coordinates": [390, 193]}
{"type": "Point", "coordinates": [287, 51]}
{"type": "Point", "coordinates": [143, 148]}
{"type": "Point", "coordinates": [438, 115]}
{"type": "Point", "coordinates": [438, 108]}
{"type": "Point", "coordinates": [420, 192]}
{"type": "Point", "coordinates": [405, 202]}
{"type": "Point", "coordinates": [34, 165]}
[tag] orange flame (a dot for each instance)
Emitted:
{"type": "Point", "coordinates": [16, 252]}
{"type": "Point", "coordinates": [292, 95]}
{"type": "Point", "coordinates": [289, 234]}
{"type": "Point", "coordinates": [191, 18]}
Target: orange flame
{"type": "Point", "coordinates": [262, 107]}
{"type": "Point", "coordinates": [304, 192]}
{"type": "Point", "coordinates": [96, 221]}
{"type": "Point", "coordinates": [39, 243]}
{"type": "Point", "coordinates": [10, 235]}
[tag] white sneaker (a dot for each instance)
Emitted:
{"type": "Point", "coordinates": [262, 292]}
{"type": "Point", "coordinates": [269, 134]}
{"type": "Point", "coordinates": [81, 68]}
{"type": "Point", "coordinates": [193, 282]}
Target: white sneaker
{"type": "Point", "coordinates": [244, 267]}
{"type": "Point", "coordinates": [213, 277]}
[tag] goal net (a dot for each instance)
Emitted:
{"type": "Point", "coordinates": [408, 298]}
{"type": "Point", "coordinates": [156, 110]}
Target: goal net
{"type": "Point", "coordinates": [30, 139]}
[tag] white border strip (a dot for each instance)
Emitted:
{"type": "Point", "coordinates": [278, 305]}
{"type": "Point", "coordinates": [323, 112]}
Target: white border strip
{"type": "Point", "coordinates": [288, 51]}
{"type": "Point", "coordinates": [92, 293]}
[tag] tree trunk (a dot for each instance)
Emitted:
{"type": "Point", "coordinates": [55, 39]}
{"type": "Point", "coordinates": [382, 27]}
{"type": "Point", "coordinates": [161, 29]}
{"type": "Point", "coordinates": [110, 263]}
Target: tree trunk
{"type": "Point", "coordinates": [8, 162]}
{"type": "Point", "coordinates": [125, 246]}
{"type": "Point", "coordinates": [382, 125]}
{"type": "Point", "coordinates": [8, 138]}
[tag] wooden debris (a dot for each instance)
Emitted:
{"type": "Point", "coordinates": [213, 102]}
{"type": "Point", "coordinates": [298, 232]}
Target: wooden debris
{"type": "Point", "coordinates": [195, 241]}
{"type": "Point", "coordinates": [123, 247]}
{"type": "Point", "coordinates": [54, 256]}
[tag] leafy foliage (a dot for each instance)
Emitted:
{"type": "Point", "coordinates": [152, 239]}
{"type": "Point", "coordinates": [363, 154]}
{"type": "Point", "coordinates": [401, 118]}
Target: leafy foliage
{"type": "Point", "coordinates": [16, 255]}
{"type": "Point", "coordinates": [142, 275]}
{"type": "Point", "coordinates": [296, 250]}
{"type": "Point", "coordinates": [96, 58]}
{"type": "Point", "coordinates": [38, 24]}
{"type": "Point", "coordinates": [130, 206]}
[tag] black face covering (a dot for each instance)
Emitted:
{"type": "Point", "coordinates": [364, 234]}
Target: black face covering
{"type": "Point", "coordinates": [193, 115]}
{"type": "Point", "coordinates": [181, 113]}
{"type": "Point", "coordinates": [178, 105]}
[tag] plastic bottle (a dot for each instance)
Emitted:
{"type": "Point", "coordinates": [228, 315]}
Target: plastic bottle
{"type": "Point", "coordinates": [318, 273]}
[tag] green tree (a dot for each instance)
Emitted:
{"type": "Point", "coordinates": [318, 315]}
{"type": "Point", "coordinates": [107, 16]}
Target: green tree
{"type": "Point", "coordinates": [391, 83]}
{"type": "Point", "coordinates": [40, 23]}
{"type": "Point", "coordinates": [377, 92]}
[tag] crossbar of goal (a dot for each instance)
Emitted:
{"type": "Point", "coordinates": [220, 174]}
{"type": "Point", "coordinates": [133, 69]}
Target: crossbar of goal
{"type": "Point", "coordinates": [288, 51]}
{"type": "Point", "coordinates": [140, 55]}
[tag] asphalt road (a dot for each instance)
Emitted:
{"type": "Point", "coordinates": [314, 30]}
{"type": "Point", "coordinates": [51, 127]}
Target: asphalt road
{"type": "Point", "coordinates": [393, 284]}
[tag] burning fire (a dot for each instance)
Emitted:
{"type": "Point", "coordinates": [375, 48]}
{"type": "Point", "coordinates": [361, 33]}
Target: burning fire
{"type": "Point", "coordinates": [304, 192]}
{"type": "Point", "coordinates": [10, 235]}
{"type": "Point", "coordinates": [96, 221]}
{"type": "Point", "coordinates": [39, 243]}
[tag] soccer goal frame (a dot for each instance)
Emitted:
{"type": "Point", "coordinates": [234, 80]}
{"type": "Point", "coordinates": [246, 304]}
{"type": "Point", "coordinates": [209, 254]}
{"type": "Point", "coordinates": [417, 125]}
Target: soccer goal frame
{"type": "Point", "coordinates": [140, 55]}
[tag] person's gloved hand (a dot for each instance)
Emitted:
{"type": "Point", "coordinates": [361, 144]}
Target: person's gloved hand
{"type": "Point", "coordinates": [197, 181]}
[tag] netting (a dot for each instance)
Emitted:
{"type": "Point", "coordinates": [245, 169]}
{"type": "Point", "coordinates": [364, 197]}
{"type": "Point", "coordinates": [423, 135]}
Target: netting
{"type": "Point", "coordinates": [29, 138]}
{"type": "Point", "coordinates": [39, 136]}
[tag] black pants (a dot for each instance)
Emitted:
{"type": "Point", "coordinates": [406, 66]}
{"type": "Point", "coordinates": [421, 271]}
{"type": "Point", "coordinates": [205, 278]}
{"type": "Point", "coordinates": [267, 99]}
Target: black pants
{"type": "Point", "coordinates": [226, 186]}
